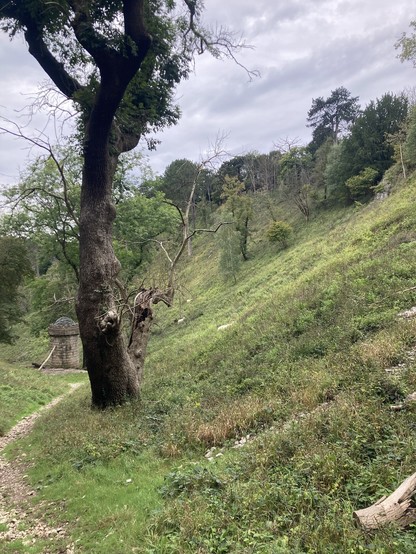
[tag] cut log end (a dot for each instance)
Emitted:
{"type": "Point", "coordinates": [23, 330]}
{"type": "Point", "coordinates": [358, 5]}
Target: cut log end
{"type": "Point", "coordinates": [396, 508]}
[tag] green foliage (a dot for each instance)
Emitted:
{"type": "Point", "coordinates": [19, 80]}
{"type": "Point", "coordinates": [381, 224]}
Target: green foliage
{"type": "Point", "coordinates": [51, 296]}
{"type": "Point", "coordinates": [279, 231]}
{"type": "Point", "coordinates": [140, 220]}
{"type": "Point", "coordinates": [47, 209]}
{"type": "Point", "coordinates": [409, 148]}
{"type": "Point", "coordinates": [296, 177]}
{"type": "Point", "coordinates": [179, 178]}
{"type": "Point", "coordinates": [301, 369]}
{"type": "Point", "coordinates": [321, 160]}
{"type": "Point", "coordinates": [368, 145]}
{"type": "Point", "coordinates": [133, 172]}
{"type": "Point", "coordinates": [407, 45]}
{"type": "Point", "coordinates": [335, 171]}
{"type": "Point", "coordinates": [361, 185]}
{"type": "Point", "coordinates": [46, 217]}
{"type": "Point", "coordinates": [295, 165]}
{"type": "Point", "coordinates": [331, 117]}
{"type": "Point", "coordinates": [230, 252]}
{"type": "Point", "coordinates": [189, 479]}
{"type": "Point", "coordinates": [14, 267]}
{"type": "Point", "coordinates": [239, 204]}
{"type": "Point", "coordinates": [148, 103]}
{"type": "Point", "coordinates": [256, 171]}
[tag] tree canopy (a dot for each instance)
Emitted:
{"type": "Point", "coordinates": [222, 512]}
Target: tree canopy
{"type": "Point", "coordinates": [367, 145]}
{"type": "Point", "coordinates": [331, 117]}
{"type": "Point", "coordinates": [407, 45]}
{"type": "Point", "coordinates": [14, 266]}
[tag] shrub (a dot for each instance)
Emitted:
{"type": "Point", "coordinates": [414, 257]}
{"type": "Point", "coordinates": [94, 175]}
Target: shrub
{"type": "Point", "coordinates": [361, 185]}
{"type": "Point", "coordinates": [279, 231]}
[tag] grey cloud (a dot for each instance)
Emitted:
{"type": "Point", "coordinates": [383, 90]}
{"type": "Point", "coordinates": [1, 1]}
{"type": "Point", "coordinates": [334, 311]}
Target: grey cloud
{"type": "Point", "coordinates": [303, 48]}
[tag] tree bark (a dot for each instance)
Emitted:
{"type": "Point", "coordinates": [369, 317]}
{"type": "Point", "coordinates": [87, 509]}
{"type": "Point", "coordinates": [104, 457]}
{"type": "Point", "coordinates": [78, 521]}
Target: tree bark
{"type": "Point", "coordinates": [114, 377]}
{"type": "Point", "coordinates": [141, 324]}
{"type": "Point", "coordinates": [112, 374]}
{"type": "Point", "coordinates": [395, 508]}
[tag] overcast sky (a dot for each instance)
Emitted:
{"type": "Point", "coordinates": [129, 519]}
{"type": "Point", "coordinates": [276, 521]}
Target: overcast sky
{"type": "Point", "coordinates": [303, 49]}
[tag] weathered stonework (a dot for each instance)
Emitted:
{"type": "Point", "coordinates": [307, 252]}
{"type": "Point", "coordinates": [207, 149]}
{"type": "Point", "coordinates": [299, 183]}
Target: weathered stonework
{"type": "Point", "coordinates": [64, 335]}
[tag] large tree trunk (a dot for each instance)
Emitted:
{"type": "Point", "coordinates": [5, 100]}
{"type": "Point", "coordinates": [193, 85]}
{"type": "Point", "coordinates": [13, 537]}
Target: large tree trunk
{"type": "Point", "coordinates": [112, 374]}
{"type": "Point", "coordinates": [115, 368]}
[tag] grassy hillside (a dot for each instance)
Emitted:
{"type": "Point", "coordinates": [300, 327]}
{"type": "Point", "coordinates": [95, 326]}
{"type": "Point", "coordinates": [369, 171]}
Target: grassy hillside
{"type": "Point", "coordinates": [298, 379]}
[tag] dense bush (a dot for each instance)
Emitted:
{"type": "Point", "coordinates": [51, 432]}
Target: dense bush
{"type": "Point", "coordinates": [279, 231]}
{"type": "Point", "coordinates": [361, 185]}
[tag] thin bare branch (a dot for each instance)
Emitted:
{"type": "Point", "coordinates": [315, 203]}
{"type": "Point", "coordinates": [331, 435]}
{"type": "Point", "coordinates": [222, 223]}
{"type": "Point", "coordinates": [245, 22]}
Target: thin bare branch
{"type": "Point", "coordinates": [122, 290]}
{"type": "Point", "coordinates": [220, 42]}
{"type": "Point", "coordinates": [169, 203]}
{"type": "Point", "coordinates": [64, 181]}
{"type": "Point", "coordinates": [217, 228]}
{"type": "Point", "coordinates": [44, 144]}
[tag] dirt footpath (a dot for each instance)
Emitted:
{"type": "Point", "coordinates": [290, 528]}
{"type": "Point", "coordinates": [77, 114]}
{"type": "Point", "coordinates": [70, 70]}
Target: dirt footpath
{"type": "Point", "coordinates": [15, 508]}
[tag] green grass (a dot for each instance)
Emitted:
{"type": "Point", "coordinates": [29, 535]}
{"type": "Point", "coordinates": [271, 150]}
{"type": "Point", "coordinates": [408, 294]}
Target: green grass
{"type": "Point", "coordinates": [96, 473]}
{"type": "Point", "coordinates": [25, 347]}
{"type": "Point", "coordinates": [313, 323]}
{"type": "Point", "coordinates": [24, 390]}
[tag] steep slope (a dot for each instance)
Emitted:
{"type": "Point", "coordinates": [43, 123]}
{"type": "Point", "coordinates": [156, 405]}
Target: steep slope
{"type": "Point", "coordinates": [271, 430]}
{"type": "Point", "coordinates": [304, 373]}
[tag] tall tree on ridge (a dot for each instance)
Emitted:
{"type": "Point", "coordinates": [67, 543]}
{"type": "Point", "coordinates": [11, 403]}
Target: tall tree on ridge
{"type": "Point", "coordinates": [332, 116]}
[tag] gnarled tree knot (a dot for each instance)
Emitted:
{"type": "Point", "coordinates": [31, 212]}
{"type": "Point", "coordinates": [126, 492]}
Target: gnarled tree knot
{"type": "Point", "coordinates": [109, 323]}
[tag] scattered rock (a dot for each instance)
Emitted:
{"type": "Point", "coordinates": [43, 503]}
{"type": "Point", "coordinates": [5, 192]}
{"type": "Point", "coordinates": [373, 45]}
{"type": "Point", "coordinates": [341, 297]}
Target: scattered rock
{"type": "Point", "coordinates": [212, 453]}
{"type": "Point", "coordinates": [242, 442]}
{"type": "Point", "coordinates": [225, 326]}
{"type": "Point", "coordinates": [408, 314]}
{"type": "Point", "coordinates": [410, 398]}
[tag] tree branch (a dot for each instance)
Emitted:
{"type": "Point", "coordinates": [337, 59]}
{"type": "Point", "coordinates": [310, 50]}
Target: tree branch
{"type": "Point", "coordinates": [134, 27]}
{"type": "Point", "coordinates": [63, 243]}
{"type": "Point", "coordinates": [38, 48]}
{"type": "Point", "coordinates": [94, 43]}
{"type": "Point", "coordinates": [64, 181]}
{"type": "Point", "coordinates": [220, 43]}
{"type": "Point", "coordinates": [44, 145]}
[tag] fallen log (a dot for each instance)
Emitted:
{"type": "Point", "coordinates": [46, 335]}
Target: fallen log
{"type": "Point", "coordinates": [407, 402]}
{"type": "Point", "coordinates": [396, 508]}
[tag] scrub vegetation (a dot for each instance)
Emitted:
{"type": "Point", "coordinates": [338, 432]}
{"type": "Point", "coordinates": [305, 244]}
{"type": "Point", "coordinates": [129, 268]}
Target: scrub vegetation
{"type": "Point", "coordinates": [270, 400]}
{"type": "Point", "coordinates": [263, 436]}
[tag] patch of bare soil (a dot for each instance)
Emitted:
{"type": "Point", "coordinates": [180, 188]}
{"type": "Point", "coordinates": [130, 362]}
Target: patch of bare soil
{"type": "Point", "coordinates": [16, 512]}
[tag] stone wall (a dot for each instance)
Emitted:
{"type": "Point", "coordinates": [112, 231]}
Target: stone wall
{"type": "Point", "coordinates": [65, 341]}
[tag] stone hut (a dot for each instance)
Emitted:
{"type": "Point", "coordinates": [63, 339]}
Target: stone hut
{"type": "Point", "coordinates": [64, 335]}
